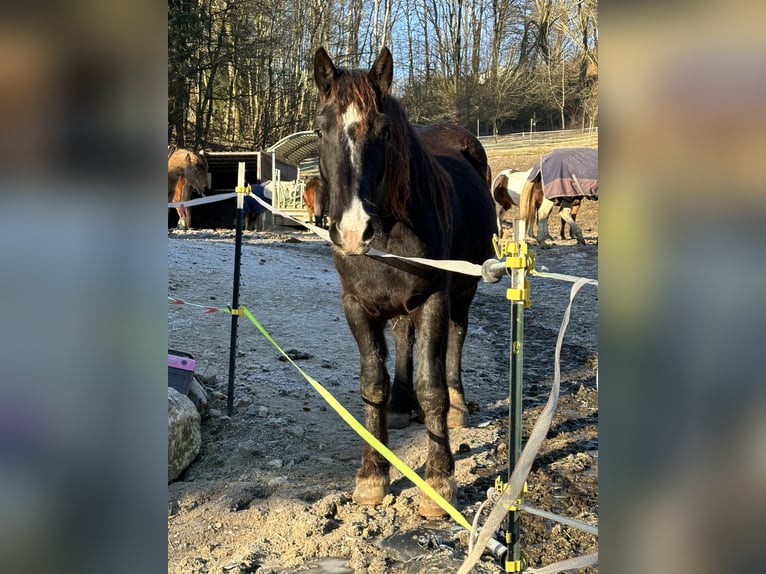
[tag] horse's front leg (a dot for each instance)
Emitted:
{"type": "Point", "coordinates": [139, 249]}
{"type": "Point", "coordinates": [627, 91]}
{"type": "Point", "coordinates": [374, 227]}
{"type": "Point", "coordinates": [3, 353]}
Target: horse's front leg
{"type": "Point", "coordinates": [372, 479]}
{"type": "Point", "coordinates": [542, 222]}
{"type": "Point", "coordinates": [432, 324]}
{"type": "Point", "coordinates": [403, 399]}
{"type": "Point", "coordinates": [183, 216]}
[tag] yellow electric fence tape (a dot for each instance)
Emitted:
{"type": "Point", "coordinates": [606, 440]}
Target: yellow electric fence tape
{"type": "Point", "coordinates": [363, 432]}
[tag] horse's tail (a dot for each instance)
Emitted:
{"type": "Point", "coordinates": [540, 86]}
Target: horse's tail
{"type": "Point", "coordinates": [527, 210]}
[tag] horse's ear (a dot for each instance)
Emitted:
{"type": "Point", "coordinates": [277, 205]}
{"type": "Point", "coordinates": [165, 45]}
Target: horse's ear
{"type": "Point", "coordinates": [382, 72]}
{"type": "Point", "coordinates": [188, 158]}
{"type": "Point", "coordinates": [324, 72]}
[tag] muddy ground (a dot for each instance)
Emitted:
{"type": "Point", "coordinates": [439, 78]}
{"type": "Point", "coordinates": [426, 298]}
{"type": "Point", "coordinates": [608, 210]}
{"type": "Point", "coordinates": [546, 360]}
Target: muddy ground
{"type": "Point", "coordinates": [271, 489]}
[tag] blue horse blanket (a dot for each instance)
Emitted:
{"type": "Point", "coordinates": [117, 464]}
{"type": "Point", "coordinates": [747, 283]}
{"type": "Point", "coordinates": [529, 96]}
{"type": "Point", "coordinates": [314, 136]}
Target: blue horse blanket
{"type": "Point", "coordinates": [252, 206]}
{"type": "Point", "coordinates": [568, 173]}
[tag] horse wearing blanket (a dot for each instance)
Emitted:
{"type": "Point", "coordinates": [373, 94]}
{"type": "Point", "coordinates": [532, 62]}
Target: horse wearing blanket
{"type": "Point", "coordinates": [563, 177]}
{"type": "Point", "coordinates": [410, 191]}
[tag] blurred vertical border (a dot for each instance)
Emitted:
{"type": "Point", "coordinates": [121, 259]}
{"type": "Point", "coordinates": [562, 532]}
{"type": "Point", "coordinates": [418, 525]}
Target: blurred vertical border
{"type": "Point", "coordinates": [83, 280]}
{"type": "Point", "coordinates": [682, 283]}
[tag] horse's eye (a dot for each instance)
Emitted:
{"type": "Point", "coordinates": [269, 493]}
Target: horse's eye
{"type": "Point", "coordinates": [382, 126]}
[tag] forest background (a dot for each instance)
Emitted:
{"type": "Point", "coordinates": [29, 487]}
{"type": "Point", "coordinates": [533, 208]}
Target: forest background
{"type": "Point", "coordinates": [240, 71]}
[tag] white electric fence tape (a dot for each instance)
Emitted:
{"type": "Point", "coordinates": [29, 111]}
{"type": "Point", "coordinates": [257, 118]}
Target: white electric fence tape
{"type": "Point", "coordinates": [202, 200]}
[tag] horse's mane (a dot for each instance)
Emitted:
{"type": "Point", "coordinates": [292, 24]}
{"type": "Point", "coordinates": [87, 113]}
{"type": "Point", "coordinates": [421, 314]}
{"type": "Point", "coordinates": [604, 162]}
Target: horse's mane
{"type": "Point", "coordinates": [407, 158]}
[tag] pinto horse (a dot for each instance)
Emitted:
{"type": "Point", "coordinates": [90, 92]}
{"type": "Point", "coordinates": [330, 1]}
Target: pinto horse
{"type": "Point", "coordinates": [316, 199]}
{"type": "Point", "coordinates": [413, 192]}
{"type": "Point", "coordinates": [506, 191]}
{"type": "Point", "coordinates": [562, 177]}
{"type": "Point", "coordinates": [187, 174]}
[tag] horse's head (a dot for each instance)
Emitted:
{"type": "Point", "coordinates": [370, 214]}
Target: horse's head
{"type": "Point", "coordinates": [353, 146]}
{"type": "Point", "coordinates": [195, 173]}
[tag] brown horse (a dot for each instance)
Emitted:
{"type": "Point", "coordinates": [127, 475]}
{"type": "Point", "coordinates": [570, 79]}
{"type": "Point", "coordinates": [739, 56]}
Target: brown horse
{"type": "Point", "coordinates": [187, 174]}
{"type": "Point", "coordinates": [316, 198]}
{"type": "Point", "coordinates": [412, 192]}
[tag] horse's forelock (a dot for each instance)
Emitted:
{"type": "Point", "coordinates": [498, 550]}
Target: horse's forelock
{"type": "Point", "coordinates": [352, 87]}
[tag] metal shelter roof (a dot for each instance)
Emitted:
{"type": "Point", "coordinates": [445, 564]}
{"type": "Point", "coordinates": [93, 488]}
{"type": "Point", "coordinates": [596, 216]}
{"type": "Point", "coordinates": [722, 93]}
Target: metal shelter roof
{"type": "Point", "coordinates": [300, 149]}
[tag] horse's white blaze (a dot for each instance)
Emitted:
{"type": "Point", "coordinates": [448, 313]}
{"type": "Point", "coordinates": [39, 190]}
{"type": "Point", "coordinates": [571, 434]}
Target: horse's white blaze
{"type": "Point", "coordinates": [352, 224]}
{"type": "Point", "coordinates": [352, 118]}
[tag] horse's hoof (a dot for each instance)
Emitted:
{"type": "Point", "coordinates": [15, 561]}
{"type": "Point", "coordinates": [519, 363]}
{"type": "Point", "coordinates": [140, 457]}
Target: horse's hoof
{"type": "Point", "coordinates": [429, 508]}
{"type": "Point", "coordinates": [398, 420]}
{"type": "Point", "coordinates": [457, 415]}
{"type": "Point", "coordinates": [371, 491]}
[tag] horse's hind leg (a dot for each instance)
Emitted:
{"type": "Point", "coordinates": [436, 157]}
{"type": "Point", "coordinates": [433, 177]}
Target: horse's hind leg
{"type": "Point", "coordinates": [457, 415]}
{"type": "Point", "coordinates": [372, 478]}
{"type": "Point", "coordinates": [403, 399]}
{"type": "Point", "coordinates": [573, 213]}
{"type": "Point", "coordinates": [566, 215]}
{"type": "Point", "coordinates": [563, 232]}
{"type": "Point", "coordinates": [432, 324]}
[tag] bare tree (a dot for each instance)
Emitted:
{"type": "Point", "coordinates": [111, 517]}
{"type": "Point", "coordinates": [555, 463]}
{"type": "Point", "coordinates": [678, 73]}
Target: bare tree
{"type": "Point", "coordinates": [239, 71]}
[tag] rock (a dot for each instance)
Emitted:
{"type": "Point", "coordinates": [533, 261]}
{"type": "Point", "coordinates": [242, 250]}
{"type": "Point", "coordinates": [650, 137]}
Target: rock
{"type": "Point", "coordinates": [198, 395]}
{"type": "Point", "coordinates": [295, 355]}
{"type": "Point", "coordinates": [184, 433]}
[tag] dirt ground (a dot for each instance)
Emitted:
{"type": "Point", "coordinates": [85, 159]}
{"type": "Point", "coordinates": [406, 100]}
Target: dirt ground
{"type": "Point", "coordinates": [271, 489]}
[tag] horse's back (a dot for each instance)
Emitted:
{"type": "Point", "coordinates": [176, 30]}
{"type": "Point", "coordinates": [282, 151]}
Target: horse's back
{"type": "Point", "coordinates": [473, 211]}
{"type": "Point", "coordinates": [449, 138]}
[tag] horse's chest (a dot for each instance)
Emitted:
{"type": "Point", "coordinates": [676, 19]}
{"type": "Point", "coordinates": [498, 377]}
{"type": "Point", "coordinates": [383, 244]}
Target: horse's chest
{"type": "Point", "coordinates": [384, 287]}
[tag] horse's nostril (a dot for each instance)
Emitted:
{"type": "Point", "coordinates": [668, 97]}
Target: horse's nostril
{"type": "Point", "coordinates": [368, 234]}
{"type": "Point", "coordinates": [335, 234]}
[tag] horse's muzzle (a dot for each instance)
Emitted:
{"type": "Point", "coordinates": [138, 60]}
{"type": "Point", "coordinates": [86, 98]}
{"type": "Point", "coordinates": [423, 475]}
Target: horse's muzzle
{"type": "Point", "coordinates": [349, 241]}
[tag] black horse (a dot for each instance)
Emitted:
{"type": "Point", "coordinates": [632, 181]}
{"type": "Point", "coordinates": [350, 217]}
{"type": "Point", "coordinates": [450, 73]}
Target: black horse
{"type": "Point", "coordinates": [416, 192]}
